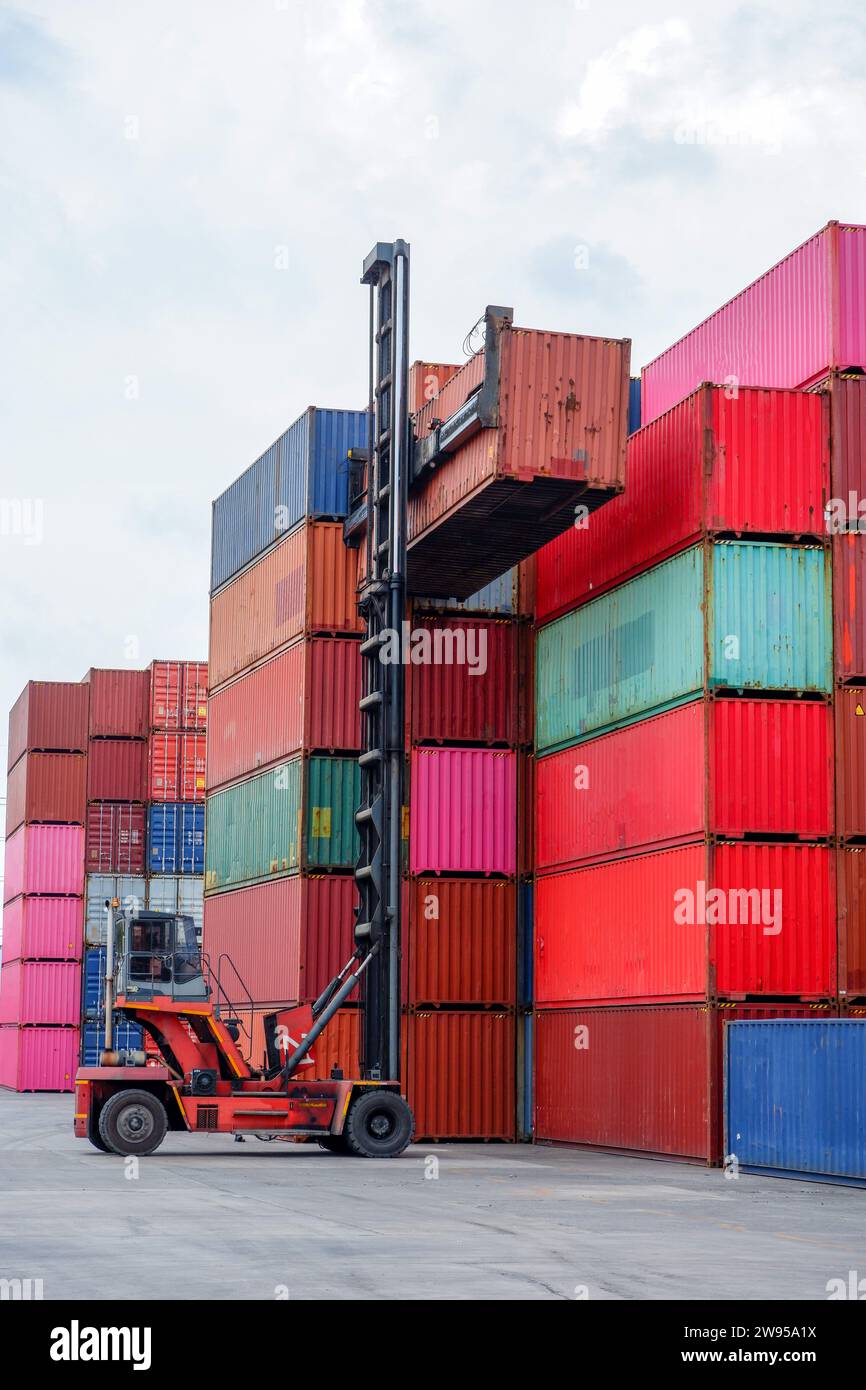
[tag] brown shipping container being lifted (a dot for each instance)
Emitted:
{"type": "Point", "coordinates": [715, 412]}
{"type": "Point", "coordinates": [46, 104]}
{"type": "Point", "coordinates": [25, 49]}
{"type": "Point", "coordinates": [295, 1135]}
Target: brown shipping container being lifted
{"type": "Point", "coordinates": [119, 703]}
{"type": "Point", "coordinates": [46, 787]}
{"type": "Point", "coordinates": [49, 715]}
{"type": "Point", "coordinates": [532, 426]}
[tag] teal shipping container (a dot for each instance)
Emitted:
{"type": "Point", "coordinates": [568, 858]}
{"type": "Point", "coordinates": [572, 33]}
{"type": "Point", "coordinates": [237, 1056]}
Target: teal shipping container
{"type": "Point", "coordinates": [300, 815]}
{"type": "Point", "coordinates": [725, 615]}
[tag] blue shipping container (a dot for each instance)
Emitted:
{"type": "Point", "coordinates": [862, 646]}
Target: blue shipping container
{"type": "Point", "coordinates": [633, 404]}
{"type": "Point", "coordinates": [795, 1097]}
{"type": "Point", "coordinates": [126, 1036]}
{"type": "Point", "coordinates": [303, 474]}
{"type": "Point", "coordinates": [94, 980]}
{"type": "Point", "coordinates": [175, 838]}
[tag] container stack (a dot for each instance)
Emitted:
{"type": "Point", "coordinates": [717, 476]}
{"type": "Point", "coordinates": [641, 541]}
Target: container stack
{"type": "Point", "coordinates": [684, 815]}
{"type": "Point", "coordinates": [284, 729]}
{"type": "Point", "coordinates": [40, 978]}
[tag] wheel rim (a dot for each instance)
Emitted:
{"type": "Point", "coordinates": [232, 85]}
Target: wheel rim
{"type": "Point", "coordinates": [380, 1126]}
{"type": "Point", "coordinates": [135, 1124]}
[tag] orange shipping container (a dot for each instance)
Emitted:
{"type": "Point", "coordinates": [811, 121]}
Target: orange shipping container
{"type": "Point", "coordinates": [462, 941]}
{"type": "Point", "coordinates": [459, 1074]}
{"type": "Point", "coordinates": [337, 1046]}
{"type": "Point", "coordinates": [851, 762]}
{"type": "Point", "coordinates": [305, 585]}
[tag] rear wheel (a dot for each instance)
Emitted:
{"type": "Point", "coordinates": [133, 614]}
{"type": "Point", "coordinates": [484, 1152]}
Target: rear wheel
{"type": "Point", "coordinates": [379, 1125]}
{"type": "Point", "coordinates": [132, 1122]}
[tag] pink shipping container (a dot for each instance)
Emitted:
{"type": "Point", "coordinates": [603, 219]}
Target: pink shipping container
{"type": "Point", "coordinates": [117, 770]}
{"type": "Point", "coordinates": [798, 321]}
{"type": "Point", "coordinates": [40, 991]}
{"type": "Point", "coordinates": [756, 464]}
{"type": "Point", "coordinates": [43, 929]}
{"type": "Point", "coordinates": [305, 699]}
{"type": "Point", "coordinates": [728, 768]}
{"type": "Point", "coordinates": [119, 703]}
{"type": "Point", "coordinates": [463, 811]}
{"type": "Point", "coordinates": [38, 1059]}
{"type": "Point", "coordinates": [115, 840]}
{"type": "Point", "coordinates": [50, 715]}
{"type": "Point", "coordinates": [687, 924]}
{"type": "Point", "coordinates": [44, 859]}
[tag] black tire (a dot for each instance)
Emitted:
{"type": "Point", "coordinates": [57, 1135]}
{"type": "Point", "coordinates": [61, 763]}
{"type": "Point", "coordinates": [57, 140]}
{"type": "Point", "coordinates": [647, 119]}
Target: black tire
{"type": "Point", "coordinates": [132, 1122]}
{"type": "Point", "coordinates": [95, 1137]}
{"type": "Point", "coordinates": [379, 1125]}
{"type": "Point", "coordinates": [333, 1143]}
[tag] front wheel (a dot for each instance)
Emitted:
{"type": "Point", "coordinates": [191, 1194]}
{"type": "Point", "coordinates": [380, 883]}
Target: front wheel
{"type": "Point", "coordinates": [379, 1125]}
{"type": "Point", "coordinates": [132, 1122]}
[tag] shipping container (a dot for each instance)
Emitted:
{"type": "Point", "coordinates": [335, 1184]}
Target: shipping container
{"type": "Point", "coordinates": [851, 763]}
{"type": "Point", "coordinates": [755, 463]}
{"type": "Point", "coordinates": [130, 891]}
{"type": "Point", "coordinates": [643, 1079]}
{"type": "Point", "coordinates": [305, 585]}
{"type": "Point", "coordinates": [686, 924]}
{"type": "Point", "coordinates": [545, 429]}
{"type": "Point", "coordinates": [195, 695]}
{"type": "Point", "coordinates": [633, 404]}
{"type": "Point", "coordinates": [44, 859]}
{"type": "Point", "coordinates": [183, 893]}
{"type": "Point", "coordinates": [303, 474]}
{"type": "Point", "coordinates": [465, 685]}
{"type": "Point", "coordinates": [463, 812]}
{"type": "Point", "coordinates": [126, 1037]}
{"type": "Point", "coordinates": [116, 839]}
{"type": "Point", "coordinates": [42, 929]}
{"type": "Point", "coordinates": [459, 1074]}
{"type": "Point", "coordinates": [794, 1097]}
{"type": "Point", "coordinates": [48, 716]}
{"type": "Point", "coordinates": [305, 699]}
{"type": "Point", "coordinates": [177, 767]}
{"type": "Point", "coordinates": [500, 598]}
{"type": "Point", "coordinates": [337, 1046]}
{"type": "Point", "coordinates": [93, 982]}
{"type": "Point", "coordinates": [426, 380]}
{"type": "Point", "coordinates": [119, 703]}
{"type": "Point", "coordinates": [166, 695]}
{"type": "Point", "coordinates": [849, 607]}
{"type": "Point", "coordinates": [38, 1059]}
{"type": "Point", "coordinates": [847, 398]}
{"type": "Point", "coordinates": [461, 942]}
{"type": "Point", "coordinates": [799, 320]}
{"type": "Point", "coordinates": [40, 991]}
{"type": "Point", "coordinates": [297, 816]}
{"type": "Point", "coordinates": [721, 767]}
{"type": "Point", "coordinates": [851, 891]}
{"type": "Point", "coordinates": [46, 787]}
{"type": "Point", "coordinates": [175, 838]}
{"type": "Point", "coordinates": [762, 611]}
{"type": "Point", "coordinates": [117, 770]}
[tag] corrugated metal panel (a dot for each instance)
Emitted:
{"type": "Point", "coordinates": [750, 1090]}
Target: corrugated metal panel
{"type": "Point", "coordinates": [790, 327]}
{"type": "Point", "coordinates": [244, 518]}
{"type": "Point", "coordinates": [851, 901]}
{"type": "Point", "coordinates": [116, 839]}
{"type": "Point", "coordinates": [462, 940]}
{"type": "Point", "coordinates": [633, 404]}
{"type": "Point", "coordinates": [44, 859]}
{"type": "Point", "coordinates": [175, 838]}
{"type": "Point", "coordinates": [117, 769]}
{"type": "Point", "coordinates": [796, 1096]}
{"type": "Point", "coordinates": [178, 893]}
{"type": "Point", "coordinates": [42, 928]}
{"type": "Point", "coordinates": [126, 1036]}
{"type": "Point", "coordinates": [46, 787]}
{"type": "Point", "coordinates": [633, 650]}
{"type": "Point", "coordinates": [253, 829]}
{"type": "Point", "coordinates": [293, 470]}
{"type": "Point", "coordinates": [93, 982]}
{"type": "Point", "coordinates": [260, 929]}
{"type": "Point", "coordinates": [332, 795]}
{"type": "Point", "coordinates": [38, 1059]}
{"type": "Point", "coordinates": [334, 433]}
{"type": "Point", "coordinates": [851, 762]}
{"type": "Point", "coordinates": [771, 768]}
{"type": "Point", "coordinates": [665, 932]}
{"type": "Point", "coordinates": [49, 715]}
{"type": "Point", "coordinates": [40, 992]}
{"type": "Point", "coordinates": [758, 462]}
{"type": "Point", "coordinates": [119, 703]}
{"type": "Point", "coordinates": [131, 891]}
{"type": "Point", "coordinates": [468, 695]}
{"type": "Point", "coordinates": [337, 1046]}
{"type": "Point", "coordinates": [848, 441]}
{"type": "Point", "coordinates": [463, 811]}
{"type": "Point", "coordinates": [195, 695]}
{"type": "Point", "coordinates": [849, 606]}
{"type": "Point", "coordinates": [166, 695]}
{"type": "Point", "coordinates": [426, 380]}
{"type": "Point", "coordinates": [499, 597]}
{"type": "Point", "coordinates": [177, 767]}
{"type": "Point", "coordinates": [460, 1074]}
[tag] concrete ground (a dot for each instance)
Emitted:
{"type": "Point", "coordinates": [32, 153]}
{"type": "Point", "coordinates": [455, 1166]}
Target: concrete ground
{"type": "Point", "coordinates": [208, 1218]}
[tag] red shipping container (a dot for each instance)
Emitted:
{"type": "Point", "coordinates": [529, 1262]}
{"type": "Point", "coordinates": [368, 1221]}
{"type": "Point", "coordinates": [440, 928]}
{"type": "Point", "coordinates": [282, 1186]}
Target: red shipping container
{"type": "Point", "coordinates": [799, 320]}
{"type": "Point", "coordinates": [40, 992]}
{"type": "Point", "coordinates": [463, 813]}
{"type": "Point", "coordinates": [681, 925]}
{"type": "Point", "coordinates": [847, 396]}
{"type": "Point", "coordinates": [117, 769]}
{"type": "Point", "coordinates": [757, 464]}
{"type": "Point", "coordinates": [44, 859]}
{"type": "Point", "coordinates": [116, 839]}
{"type": "Point", "coordinates": [195, 695]}
{"type": "Point", "coordinates": [461, 942]}
{"type": "Point", "coordinates": [426, 380]}
{"type": "Point", "coordinates": [166, 695]}
{"type": "Point", "coordinates": [177, 767]}
{"type": "Point", "coordinates": [43, 929]}
{"type": "Point", "coordinates": [305, 699]}
{"type": "Point", "coordinates": [49, 715]}
{"type": "Point", "coordinates": [645, 1079]}
{"type": "Point", "coordinates": [337, 1046]}
{"type": "Point", "coordinates": [46, 787]}
{"type": "Point", "coordinates": [466, 688]}
{"type": "Point", "coordinates": [38, 1059]}
{"type": "Point", "coordinates": [851, 762]}
{"type": "Point", "coordinates": [459, 1074]}
{"type": "Point", "coordinates": [545, 428]}
{"type": "Point", "coordinates": [716, 767]}
{"type": "Point", "coordinates": [849, 607]}
{"type": "Point", "coordinates": [851, 889]}
{"type": "Point", "coordinates": [119, 703]}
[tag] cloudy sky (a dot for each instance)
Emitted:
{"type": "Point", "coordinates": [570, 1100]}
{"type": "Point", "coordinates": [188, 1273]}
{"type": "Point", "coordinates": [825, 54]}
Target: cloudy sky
{"type": "Point", "coordinates": [188, 188]}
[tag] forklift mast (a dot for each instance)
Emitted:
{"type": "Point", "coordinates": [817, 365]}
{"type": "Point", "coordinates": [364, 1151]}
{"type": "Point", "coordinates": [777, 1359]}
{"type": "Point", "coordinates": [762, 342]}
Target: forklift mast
{"type": "Point", "coordinates": [381, 602]}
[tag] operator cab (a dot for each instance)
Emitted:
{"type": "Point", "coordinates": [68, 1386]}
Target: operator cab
{"type": "Point", "coordinates": [157, 956]}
